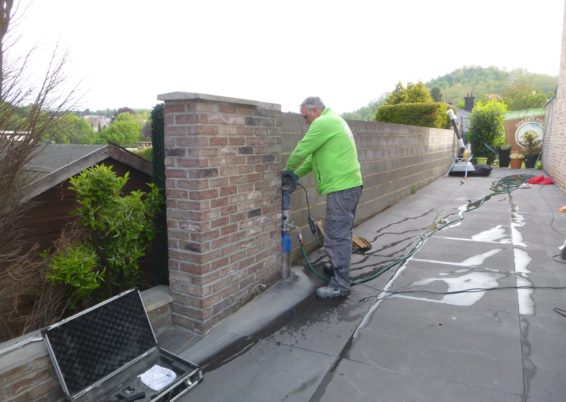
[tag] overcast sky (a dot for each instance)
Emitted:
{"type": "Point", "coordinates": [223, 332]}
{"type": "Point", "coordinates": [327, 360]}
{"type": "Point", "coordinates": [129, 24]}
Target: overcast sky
{"type": "Point", "coordinates": [126, 52]}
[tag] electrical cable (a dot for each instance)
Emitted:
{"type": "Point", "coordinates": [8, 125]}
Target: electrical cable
{"type": "Point", "coordinates": [312, 225]}
{"type": "Point", "coordinates": [504, 185]}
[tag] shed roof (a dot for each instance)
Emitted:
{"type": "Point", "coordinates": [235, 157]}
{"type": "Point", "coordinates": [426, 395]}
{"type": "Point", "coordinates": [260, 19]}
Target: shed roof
{"type": "Point", "coordinates": [52, 164]}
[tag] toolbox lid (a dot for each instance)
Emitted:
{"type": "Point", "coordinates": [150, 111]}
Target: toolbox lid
{"type": "Point", "coordinates": [99, 341]}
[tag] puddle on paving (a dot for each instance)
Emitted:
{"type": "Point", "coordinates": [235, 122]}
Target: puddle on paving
{"type": "Point", "coordinates": [493, 235]}
{"type": "Point", "coordinates": [473, 261]}
{"type": "Point", "coordinates": [472, 280]}
{"type": "Point", "coordinates": [517, 221]}
{"type": "Point", "coordinates": [525, 296]}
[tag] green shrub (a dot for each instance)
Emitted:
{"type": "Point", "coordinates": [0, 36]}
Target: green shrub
{"type": "Point", "coordinates": [415, 114]}
{"type": "Point", "coordinates": [116, 230]}
{"type": "Point", "coordinates": [486, 127]}
{"type": "Point", "coordinates": [75, 267]}
{"type": "Point", "coordinates": [119, 226]}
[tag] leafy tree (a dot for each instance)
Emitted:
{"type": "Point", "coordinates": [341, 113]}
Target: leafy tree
{"type": "Point", "coordinates": [412, 106]}
{"type": "Point", "coordinates": [418, 93]}
{"type": "Point", "coordinates": [486, 81]}
{"type": "Point", "coordinates": [124, 130]}
{"type": "Point", "coordinates": [71, 130]}
{"type": "Point", "coordinates": [158, 155]}
{"type": "Point", "coordinates": [486, 126]}
{"type": "Point", "coordinates": [365, 113]}
{"type": "Point", "coordinates": [523, 95]}
{"type": "Point", "coordinates": [26, 126]}
{"type": "Point", "coordinates": [399, 95]}
{"type": "Point", "coordinates": [432, 114]}
{"type": "Point", "coordinates": [28, 109]}
{"type": "Point", "coordinates": [436, 94]}
{"type": "Point", "coordinates": [414, 93]}
{"type": "Point", "coordinates": [117, 227]}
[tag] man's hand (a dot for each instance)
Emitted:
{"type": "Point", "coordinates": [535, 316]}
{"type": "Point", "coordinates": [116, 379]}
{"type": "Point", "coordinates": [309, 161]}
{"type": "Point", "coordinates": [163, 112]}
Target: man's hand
{"type": "Point", "coordinates": [289, 180]}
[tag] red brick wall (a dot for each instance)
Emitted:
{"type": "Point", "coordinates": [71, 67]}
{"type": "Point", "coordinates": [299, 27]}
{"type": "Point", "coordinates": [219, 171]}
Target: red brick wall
{"type": "Point", "coordinates": [222, 171]}
{"type": "Point", "coordinates": [554, 147]}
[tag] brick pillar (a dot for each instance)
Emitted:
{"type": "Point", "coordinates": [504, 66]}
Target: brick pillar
{"type": "Point", "coordinates": [222, 169]}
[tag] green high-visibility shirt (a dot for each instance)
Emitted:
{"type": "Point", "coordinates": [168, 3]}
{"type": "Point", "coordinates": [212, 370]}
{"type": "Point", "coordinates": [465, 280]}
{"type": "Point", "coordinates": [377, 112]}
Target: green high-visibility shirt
{"type": "Point", "coordinates": [328, 150]}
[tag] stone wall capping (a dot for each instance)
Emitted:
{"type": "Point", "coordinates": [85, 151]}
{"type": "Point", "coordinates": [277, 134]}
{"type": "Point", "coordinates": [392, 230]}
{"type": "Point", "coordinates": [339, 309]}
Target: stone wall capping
{"type": "Point", "coordinates": [185, 96]}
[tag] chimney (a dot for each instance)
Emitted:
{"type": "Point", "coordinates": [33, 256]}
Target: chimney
{"type": "Point", "coordinates": [469, 101]}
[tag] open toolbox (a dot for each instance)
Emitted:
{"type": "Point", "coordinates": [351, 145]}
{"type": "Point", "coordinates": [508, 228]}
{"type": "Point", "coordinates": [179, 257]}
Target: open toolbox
{"type": "Point", "coordinates": [109, 352]}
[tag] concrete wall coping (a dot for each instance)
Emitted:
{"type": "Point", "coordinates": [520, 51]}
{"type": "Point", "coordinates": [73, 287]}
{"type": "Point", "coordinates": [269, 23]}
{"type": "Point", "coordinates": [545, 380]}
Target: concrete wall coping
{"type": "Point", "coordinates": [182, 96]}
{"type": "Point", "coordinates": [29, 347]}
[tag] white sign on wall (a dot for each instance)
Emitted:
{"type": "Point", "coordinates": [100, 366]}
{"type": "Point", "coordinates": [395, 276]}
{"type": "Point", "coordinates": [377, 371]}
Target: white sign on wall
{"type": "Point", "coordinates": [531, 125]}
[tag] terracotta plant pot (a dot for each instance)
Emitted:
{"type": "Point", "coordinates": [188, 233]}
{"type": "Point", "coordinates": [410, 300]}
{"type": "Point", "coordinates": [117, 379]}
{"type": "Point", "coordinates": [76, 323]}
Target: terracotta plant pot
{"type": "Point", "coordinates": [516, 163]}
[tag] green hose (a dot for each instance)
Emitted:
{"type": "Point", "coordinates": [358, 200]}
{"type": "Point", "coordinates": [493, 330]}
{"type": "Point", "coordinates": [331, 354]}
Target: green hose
{"type": "Point", "coordinates": [503, 186]}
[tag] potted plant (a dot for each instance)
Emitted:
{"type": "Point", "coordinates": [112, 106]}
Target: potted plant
{"type": "Point", "coordinates": [516, 159]}
{"type": "Point", "coordinates": [532, 146]}
{"type": "Point", "coordinates": [504, 151]}
{"type": "Point", "coordinates": [481, 160]}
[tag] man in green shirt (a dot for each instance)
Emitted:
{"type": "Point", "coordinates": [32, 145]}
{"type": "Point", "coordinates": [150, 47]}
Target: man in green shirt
{"type": "Point", "coordinates": [328, 150]}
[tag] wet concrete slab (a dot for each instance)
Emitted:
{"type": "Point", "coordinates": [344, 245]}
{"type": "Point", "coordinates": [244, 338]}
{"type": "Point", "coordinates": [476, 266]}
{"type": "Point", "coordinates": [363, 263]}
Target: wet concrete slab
{"type": "Point", "coordinates": [478, 347]}
{"type": "Point", "coordinates": [355, 381]}
{"type": "Point", "coordinates": [494, 345]}
{"type": "Point", "coordinates": [265, 372]}
{"type": "Point", "coordinates": [544, 354]}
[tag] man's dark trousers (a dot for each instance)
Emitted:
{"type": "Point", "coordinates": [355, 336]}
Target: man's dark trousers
{"type": "Point", "coordinates": [340, 214]}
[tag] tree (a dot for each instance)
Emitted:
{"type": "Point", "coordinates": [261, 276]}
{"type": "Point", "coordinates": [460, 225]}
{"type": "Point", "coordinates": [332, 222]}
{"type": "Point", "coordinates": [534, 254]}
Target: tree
{"type": "Point", "coordinates": [483, 81]}
{"type": "Point", "coordinates": [486, 126]}
{"type": "Point", "coordinates": [21, 129]}
{"type": "Point", "coordinates": [414, 93]}
{"type": "Point", "coordinates": [418, 93]}
{"type": "Point", "coordinates": [399, 95]}
{"type": "Point", "coordinates": [436, 94]}
{"type": "Point", "coordinates": [412, 106]}
{"type": "Point", "coordinates": [124, 130]}
{"type": "Point", "coordinates": [523, 95]}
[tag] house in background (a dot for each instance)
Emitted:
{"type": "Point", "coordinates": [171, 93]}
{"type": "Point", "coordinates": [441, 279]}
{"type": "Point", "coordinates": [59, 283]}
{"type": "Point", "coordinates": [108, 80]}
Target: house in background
{"type": "Point", "coordinates": [98, 122]}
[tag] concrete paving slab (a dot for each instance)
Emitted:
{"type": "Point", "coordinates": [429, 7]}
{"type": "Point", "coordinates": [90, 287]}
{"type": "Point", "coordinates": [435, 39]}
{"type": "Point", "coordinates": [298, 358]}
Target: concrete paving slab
{"type": "Point", "coordinates": [503, 345]}
{"type": "Point", "coordinates": [544, 354]}
{"type": "Point", "coordinates": [354, 381]}
{"type": "Point", "coordinates": [265, 372]}
{"type": "Point", "coordinates": [468, 346]}
{"type": "Point", "coordinates": [328, 325]}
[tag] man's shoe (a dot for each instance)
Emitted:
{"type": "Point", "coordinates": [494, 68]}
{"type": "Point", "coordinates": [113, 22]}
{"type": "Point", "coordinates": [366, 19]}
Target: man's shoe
{"type": "Point", "coordinates": [327, 292]}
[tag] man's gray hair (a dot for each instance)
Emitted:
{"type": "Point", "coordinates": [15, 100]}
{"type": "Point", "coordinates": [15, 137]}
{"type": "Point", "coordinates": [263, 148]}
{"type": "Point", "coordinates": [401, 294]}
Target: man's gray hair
{"type": "Point", "coordinates": [313, 102]}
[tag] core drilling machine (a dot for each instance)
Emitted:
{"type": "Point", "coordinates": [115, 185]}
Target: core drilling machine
{"type": "Point", "coordinates": [288, 185]}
